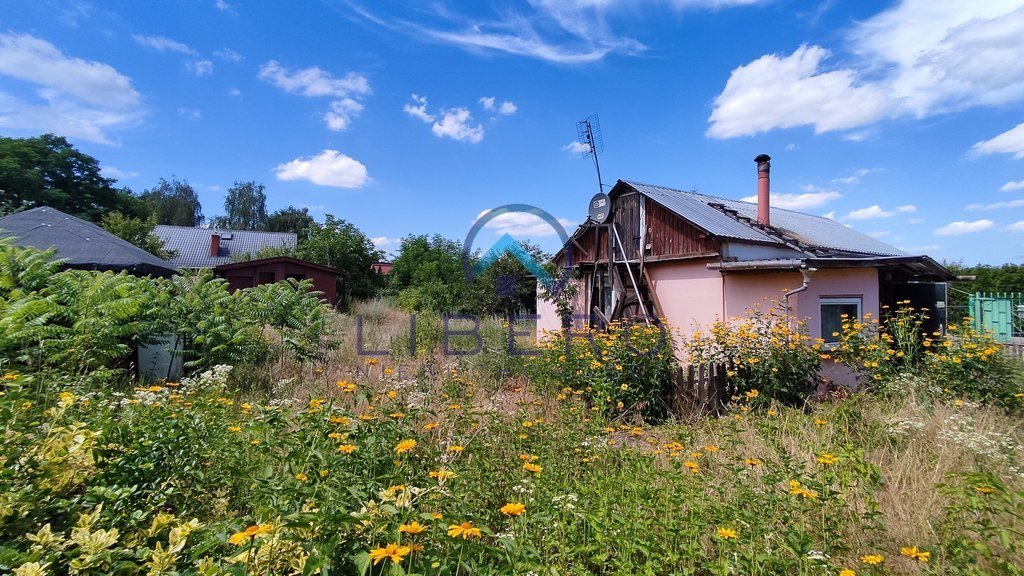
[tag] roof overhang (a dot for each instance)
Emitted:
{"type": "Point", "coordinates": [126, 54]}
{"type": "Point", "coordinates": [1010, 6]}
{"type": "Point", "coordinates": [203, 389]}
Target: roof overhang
{"type": "Point", "coordinates": [919, 267]}
{"type": "Point", "coordinates": [275, 260]}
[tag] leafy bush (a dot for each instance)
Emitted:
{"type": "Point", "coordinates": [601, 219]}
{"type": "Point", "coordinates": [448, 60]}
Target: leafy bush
{"type": "Point", "coordinates": [760, 352]}
{"type": "Point", "coordinates": [628, 368]}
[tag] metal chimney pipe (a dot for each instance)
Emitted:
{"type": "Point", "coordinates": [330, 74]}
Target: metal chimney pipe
{"type": "Point", "coordinates": [764, 167]}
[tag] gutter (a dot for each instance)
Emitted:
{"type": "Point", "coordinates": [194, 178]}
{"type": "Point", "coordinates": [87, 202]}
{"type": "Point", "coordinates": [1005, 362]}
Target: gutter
{"type": "Point", "coordinates": [747, 265]}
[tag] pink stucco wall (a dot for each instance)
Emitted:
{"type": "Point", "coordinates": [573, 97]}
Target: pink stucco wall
{"type": "Point", "coordinates": [548, 316]}
{"type": "Point", "coordinates": [690, 295]}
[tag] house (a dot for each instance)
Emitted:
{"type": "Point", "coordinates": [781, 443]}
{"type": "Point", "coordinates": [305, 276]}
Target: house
{"type": "Point", "coordinates": [269, 270]}
{"type": "Point", "coordinates": [81, 244]}
{"type": "Point", "coordinates": [382, 267]}
{"type": "Point", "coordinates": [208, 247]}
{"type": "Point", "coordinates": [691, 259]}
{"type": "Point", "coordinates": [225, 252]}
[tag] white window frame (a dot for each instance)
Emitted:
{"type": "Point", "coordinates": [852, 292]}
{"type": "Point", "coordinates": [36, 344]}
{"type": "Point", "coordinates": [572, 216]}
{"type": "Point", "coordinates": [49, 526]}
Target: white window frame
{"type": "Point", "coordinates": [837, 301]}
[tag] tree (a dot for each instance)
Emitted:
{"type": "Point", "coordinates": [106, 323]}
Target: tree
{"type": "Point", "coordinates": [245, 207]}
{"type": "Point", "coordinates": [138, 231]}
{"type": "Point", "coordinates": [174, 202]}
{"type": "Point", "coordinates": [338, 244]}
{"type": "Point", "coordinates": [48, 171]}
{"type": "Point", "coordinates": [290, 219]}
{"type": "Point", "coordinates": [427, 274]}
{"type": "Point", "coordinates": [506, 287]}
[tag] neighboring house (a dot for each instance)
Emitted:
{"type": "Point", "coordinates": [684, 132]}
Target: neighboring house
{"type": "Point", "coordinates": [269, 270]}
{"type": "Point", "coordinates": [81, 244]}
{"type": "Point", "coordinates": [225, 251]}
{"type": "Point", "coordinates": [209, 247]}
{"type": "Point", "coordinates": [382, 267]}
{"type": "Point", "coordinates": [691, 259]}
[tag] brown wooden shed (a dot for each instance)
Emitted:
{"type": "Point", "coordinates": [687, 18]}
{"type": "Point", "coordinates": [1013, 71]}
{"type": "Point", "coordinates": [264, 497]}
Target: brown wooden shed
{"type": "Point", "coordinates": [269, 270]}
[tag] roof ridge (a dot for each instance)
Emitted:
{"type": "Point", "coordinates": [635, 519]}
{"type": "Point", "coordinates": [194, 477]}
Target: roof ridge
{"type": "Point", "coordinates": [713, 197]}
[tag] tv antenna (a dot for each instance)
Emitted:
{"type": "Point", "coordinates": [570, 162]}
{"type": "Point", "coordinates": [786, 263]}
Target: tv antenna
{"type": "Point", "coordinates": [588, 132]}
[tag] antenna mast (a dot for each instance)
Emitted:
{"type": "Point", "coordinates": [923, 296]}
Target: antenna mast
{"type": "Point", "coordinates": [588, 132]}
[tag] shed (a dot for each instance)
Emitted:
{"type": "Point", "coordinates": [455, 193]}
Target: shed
{"type": "Point", "coordinates": [81, 244]}
{"type": "Point", "coordinates": [269, 270]}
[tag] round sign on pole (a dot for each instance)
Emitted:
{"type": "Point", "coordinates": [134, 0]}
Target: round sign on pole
{"type": "Point", "coordinates": [600, 208]}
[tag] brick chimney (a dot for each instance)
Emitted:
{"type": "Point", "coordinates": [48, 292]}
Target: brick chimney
{"type": "Point", "coordinates": [215, 244]}
{"type": "Point", "coordinates": [764, 167]}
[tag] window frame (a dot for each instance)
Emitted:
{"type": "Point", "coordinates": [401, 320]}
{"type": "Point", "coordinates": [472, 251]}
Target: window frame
{"type": "Point", "coordinates": [823, 301]}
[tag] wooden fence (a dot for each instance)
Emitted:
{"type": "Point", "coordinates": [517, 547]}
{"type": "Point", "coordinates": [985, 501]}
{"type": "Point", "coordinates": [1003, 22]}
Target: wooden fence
{"type": "Point", "coordinates": [701, 389]}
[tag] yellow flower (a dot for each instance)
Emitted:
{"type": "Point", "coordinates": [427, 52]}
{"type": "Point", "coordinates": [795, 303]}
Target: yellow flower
{"type": "Point", "coordinates": [346, 386]}
{"type": "Point", "coordinates": [393, 551]}
{"type": "Point", "coordinates": [827, 459]}
{"type": "Point", "coordinates": [691, 466]}
{"type": "Point", "coordinates": [234, 428]}
{"type": "Point", "coordinates": [430, 426]}
{"type": "Point", "coordinates": [726, 533]}
{"type": "Point", "coordinates": [373, 361]}
{"type": "Point", "coordinates": [301, 477]}
{"type": "Point", "coordinates": [752, 462]}
{"type": "Point", "coordinates": [872, 559]}
{"type": "Point", "coordinates": [455, 448]}
{"type": "Point", "coordinates": [412, 528]}
{"type": "Point", "coordinates": [751, 394]}
{"type": "Point", "coordinates": [405, 446]}
{"type": "Point", "coordinates": [914, 553]}
{"type": "Point", "coordinates": [442, 474]}
{"type": "Point", "coordinates": [984, 489]}
{"type": "Point", "coordinates": [711, 448]}
{"type": "Point", "coordinates": [820, 422]}
{"type": "Point", "coordinates": [347, 448]}
{"type": "Point", "coordinates": [513, 509]}
{"type": "Point", "coordinates": [240, 538]}
{"type": "Point", "coordinates": [31, 569]}
{"type": "Point", "coordinates": [847, 572]}
{"type": "Point", "coordinates": [531, 467]}
{"type": "Point", "coordinates": [466, 530]}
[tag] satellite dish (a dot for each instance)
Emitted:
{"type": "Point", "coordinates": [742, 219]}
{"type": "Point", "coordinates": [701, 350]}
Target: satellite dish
{"type": "Point", "coordinates": [600, 208]}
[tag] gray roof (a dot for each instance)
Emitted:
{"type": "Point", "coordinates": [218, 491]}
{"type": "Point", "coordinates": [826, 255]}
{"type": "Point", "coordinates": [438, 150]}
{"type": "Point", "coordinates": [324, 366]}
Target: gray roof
{"type": "Point", "coordinates": [192, 245]}
{"type": "Point", "coordinates": [812, 231]}
{"type": "Point", "coordinates": [82, 244]}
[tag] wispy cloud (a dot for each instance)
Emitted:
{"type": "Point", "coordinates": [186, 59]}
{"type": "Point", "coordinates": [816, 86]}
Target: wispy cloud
{"type": "Point", "coordinates": [1012, 186]}
{"type": "Point", "coordinates": [315, 82]}
{"type": "Point", "coordinates": [875, 211]}
{"type": "Point", "coordinates": [112, 172]}
{"type": "Point", "coordinates": [813, 197]}
{"type": "Point", "coordinates": [523, 224]}
{"type": "Point", "coordinates": [228, 55]}
{"type": "Point", "coordinates": [75, 97]}
{"type": "Point", "coordinates": [164, 44]}
{"type": "Point", "coordinates": [418, 109]}
{"type": "Point", "coordinates": [964, 227]}
{"type": "Point", "coordinates": [1009, 142]}
{"type": "Point", "coordinates": [997, 205]}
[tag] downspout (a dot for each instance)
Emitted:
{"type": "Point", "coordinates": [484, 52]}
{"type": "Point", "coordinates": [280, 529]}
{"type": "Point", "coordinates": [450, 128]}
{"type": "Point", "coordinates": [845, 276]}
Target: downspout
{"type": "Point", "coordinates": [806, 273]}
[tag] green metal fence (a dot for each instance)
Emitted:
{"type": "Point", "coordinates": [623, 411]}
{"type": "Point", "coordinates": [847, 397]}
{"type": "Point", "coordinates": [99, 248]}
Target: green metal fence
{"type": "Point", "coordinates": [1001, 313]}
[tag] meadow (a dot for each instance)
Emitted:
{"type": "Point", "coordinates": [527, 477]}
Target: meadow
{"type": "Point", "coordinates": [319, 460]}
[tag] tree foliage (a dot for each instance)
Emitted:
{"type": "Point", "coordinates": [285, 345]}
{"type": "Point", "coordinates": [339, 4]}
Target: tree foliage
{"type": "Point", "coordinates": [245, 207]}
{"type": "Point", "coordinates": [987, 278]}
{"type": "Point", "coordinates": [48, 171]}
{"type": "Point", "coordinates": [339, 244]}
{"type": "Point", "coordinates": [138, 231]}
{"type": "Point", "coordinates": [290, 219]}
{"type": "Point", "coordinates": [174, 202]}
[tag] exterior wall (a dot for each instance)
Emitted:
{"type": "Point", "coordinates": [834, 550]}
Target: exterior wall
{"type": "Point", "coordinates": [690, 295]}
{"type": "Point", "coordinates": [548, 319]}
{"type": "Point", "coordinates": [245, 277]}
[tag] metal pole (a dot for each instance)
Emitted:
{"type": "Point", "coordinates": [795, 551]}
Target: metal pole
{"type": "Point", "coordinates": [625, 259]}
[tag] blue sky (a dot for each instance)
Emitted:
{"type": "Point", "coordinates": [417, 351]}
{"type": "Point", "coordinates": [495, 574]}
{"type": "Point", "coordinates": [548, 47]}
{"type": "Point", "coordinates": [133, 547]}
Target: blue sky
{"type": "Point", "coordinates": [904, 119]}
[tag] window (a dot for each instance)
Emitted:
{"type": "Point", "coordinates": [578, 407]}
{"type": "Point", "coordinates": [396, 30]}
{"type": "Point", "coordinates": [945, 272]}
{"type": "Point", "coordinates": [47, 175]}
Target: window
{"type": "Point", "coordinates": [832, 312]}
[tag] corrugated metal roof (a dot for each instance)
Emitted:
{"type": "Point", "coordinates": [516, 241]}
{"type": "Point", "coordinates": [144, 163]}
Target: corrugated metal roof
{"type": "Point", "coordinates": [815, 231]}
{"type": "Point", "coordinates": [192, 245]}
{"type": "Point", "coordinates": [83, 244]}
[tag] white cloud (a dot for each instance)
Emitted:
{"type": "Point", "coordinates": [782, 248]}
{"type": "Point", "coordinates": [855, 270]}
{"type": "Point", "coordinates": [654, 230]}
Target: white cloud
{"type": "Point", "coordinates": [328, 168]}
{"type": "Point", "coordinates": [783, 92]}
{"type": "Point", "coordinates": [813, 197]}
{"type": "Point", "coordinates": [962, 227]}
{"type": "Point", "coordinates": [792, 147]}
{"type": "Point", "coordinates": [869, 213]}
{"type": "Point", "coordinates": [456, 123]}
{"type": "Point", "coordinates": [918, 58]}
{"type": "Point", "coordinates": [487, 102]}
{"type": "Point", "coordinates": [200, 67]}
{"type": "Point", "coordinates": [507, 108]}
{"type": "Point", "coordinates": [76, 98]}
{"type": "Point", "coordinates": [419, 110]}
{"type": "Point", "coordinates": [341, 113]}
{"type": "Point", "coordinates": [223, 6]}
{"type": "Point", "coordinates": [523, 224]}
{"type": "Point", "coordinates": [164, 44]}
{"type": "Point", "coordinates": [190, 113]}
{"type": "Point", "coordinates": [235, 92]}
{"type": "Point", "coordinates": [996, 205]}
{"type": "Point", "coordinates": [906, 209]}
{"type": "Point", "coordinates": [315, 82]}
{"type": "Point", "coordinates": [853, 178]}
{"type": "Point", "coordinates": [831, 215]}
{"type": "Point", "coordinates": [1009, 142]}
{"type": "Point", "coordinates": [1017, 226]}
{"type": "Point", "coordinates": [384, 243]}
{"type": "Point", "coordinates": [915, 220]}
{"type": "Point", "coordinates": [577, 147]}
{"type": "Point", "coordinates": [1012, 186]}
{"type": "Point", "coordinates": [112, 172]}
{"type": "Point", "coordinates": [228, 55]}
